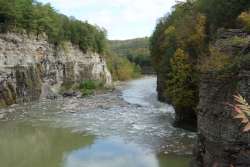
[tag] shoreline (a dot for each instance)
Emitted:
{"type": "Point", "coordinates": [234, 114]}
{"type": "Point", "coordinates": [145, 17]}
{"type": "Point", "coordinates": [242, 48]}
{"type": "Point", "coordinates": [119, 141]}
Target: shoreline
{"type": "Point", "coordinates": [103, 99]}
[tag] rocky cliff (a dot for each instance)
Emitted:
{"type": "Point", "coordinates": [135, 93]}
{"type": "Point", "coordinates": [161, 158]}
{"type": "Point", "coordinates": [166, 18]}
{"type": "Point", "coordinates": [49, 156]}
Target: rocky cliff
{"type": "Point", "coordinates": [221, 143]}
{"type": "Point", "coordinates": [28, 63]}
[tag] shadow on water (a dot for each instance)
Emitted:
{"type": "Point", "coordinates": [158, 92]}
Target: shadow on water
{"type": "Point", "coordinates": [22, 145]}
{"type": "Point", "coordinates": [47, 135]}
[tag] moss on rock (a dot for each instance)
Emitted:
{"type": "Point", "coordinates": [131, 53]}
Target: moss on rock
{"type": "Point", "coordinates": [28, 83]}
{"type": "Point", "coordinates": [7, 94]}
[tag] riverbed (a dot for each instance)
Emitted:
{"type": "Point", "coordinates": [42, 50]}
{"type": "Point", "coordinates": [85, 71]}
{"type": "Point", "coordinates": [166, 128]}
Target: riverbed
{"type": "Point", "coordinates": [126, 127]}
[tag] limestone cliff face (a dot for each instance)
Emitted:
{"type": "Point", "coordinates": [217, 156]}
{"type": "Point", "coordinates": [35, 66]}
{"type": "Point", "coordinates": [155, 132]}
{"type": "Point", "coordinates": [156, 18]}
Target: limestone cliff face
{"type": "Point", "coordinates": [26, 63]}
{"type": "Point", "coordinates": [220, 140]}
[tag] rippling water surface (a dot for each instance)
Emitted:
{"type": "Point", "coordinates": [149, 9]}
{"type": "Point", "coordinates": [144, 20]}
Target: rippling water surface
{"type": "Point", "coordinates": [126, 129]}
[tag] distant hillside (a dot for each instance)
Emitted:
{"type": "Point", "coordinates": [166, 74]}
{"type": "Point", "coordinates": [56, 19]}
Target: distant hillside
{"type": "Point", "coordinates": [136, 50]}
{"type": "Point", "coordinates": [126, 47]}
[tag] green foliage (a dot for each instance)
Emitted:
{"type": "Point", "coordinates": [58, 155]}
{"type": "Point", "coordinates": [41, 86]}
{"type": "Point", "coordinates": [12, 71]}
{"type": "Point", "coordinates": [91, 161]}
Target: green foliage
{"type": "Point", "coordinates": [222, 13]}
{"type": "Point", "coordinates": [135, 50]}
{"type": "Point", "coordinates": [121, 68]}
{"type": "Point", "coordinates": [87, 92]}
{"type": "Point", "coordinates": [87, 87]}
{"type": "Point", "coordinates": [181, 82]}
{"type": "Point", "coordinates": [176, 46]}
{"type": "Point", "coordinates": [216, 61]}
{"type": "Point", "coordinates": [7, 15]}
{"type": "Point", "coordinates": [38, 18]}
{"type": "Point", "coordinates": [244, 18]}
{"type": "Point", "coordinates": [239, 41]}
{"type": "Point", "coordinates": [180, 45]}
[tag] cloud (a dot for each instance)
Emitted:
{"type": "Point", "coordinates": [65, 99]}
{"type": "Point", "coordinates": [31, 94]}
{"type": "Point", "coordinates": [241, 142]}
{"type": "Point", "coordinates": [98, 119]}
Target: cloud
{"type": "Point", "coordinates": [111, 152]}
{"type": "Point", "coordinates": [121, 18]}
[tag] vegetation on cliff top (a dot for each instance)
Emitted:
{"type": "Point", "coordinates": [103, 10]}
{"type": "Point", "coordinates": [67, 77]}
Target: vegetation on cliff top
{"type": "Point", "coordinates": [181, 44]}
{"type": "Point", "coordinates": [37, 18]}
{"type": "Point", "coordinates": [32, 17]}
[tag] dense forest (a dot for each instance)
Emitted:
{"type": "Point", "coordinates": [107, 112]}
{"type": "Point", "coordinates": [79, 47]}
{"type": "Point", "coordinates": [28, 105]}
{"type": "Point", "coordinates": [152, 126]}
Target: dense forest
{"type": "Point", "coordinates": [181, 45]}
{"type": "Point", "coordinates": [135, 50]}
{"type": "Point", "coordinates": [32, 17]}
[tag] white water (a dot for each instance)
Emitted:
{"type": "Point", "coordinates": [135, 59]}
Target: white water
{"type": "Point", "coordinates": [143, 121]}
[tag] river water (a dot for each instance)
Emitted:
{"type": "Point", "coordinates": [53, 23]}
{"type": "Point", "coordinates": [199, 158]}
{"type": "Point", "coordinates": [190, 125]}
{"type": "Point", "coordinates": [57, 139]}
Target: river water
{"type": "Point", "coordinates": [124, 128]}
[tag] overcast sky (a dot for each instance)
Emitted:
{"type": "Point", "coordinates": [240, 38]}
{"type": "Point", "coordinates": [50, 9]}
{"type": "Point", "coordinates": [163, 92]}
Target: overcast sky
{"type": "Point", "coordinates": [123, 19]}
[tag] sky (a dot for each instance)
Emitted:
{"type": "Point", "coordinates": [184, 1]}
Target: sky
{"type": "Point", "coordinates": [123, 19]}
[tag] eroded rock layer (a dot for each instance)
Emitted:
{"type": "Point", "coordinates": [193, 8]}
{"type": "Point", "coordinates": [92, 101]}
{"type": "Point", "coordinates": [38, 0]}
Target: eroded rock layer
{"type": "Point", "coordinates": [221, 142]}
{"type": "Point", "coordinates": [28, 62]}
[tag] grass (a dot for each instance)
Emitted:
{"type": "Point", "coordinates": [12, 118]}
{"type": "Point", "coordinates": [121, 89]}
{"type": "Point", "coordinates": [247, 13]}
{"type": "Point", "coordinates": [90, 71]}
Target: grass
{"type": "Point", "coordinates": [86, 87]}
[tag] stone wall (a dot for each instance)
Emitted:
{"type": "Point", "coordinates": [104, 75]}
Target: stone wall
{"type": "Point", "coordinates": [28, 62]}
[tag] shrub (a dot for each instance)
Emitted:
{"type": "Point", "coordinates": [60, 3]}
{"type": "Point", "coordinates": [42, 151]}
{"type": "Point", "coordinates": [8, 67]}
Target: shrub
{"type": "Point", "coordinates": [244, 19]}
{"type": "Point", "coordinates": [121, 68]}
{"type": "Point", "coordinates": [89, 84]}
{"type": "Point", "coordinates": [238, 41]}
{"type": "Point", "coordinates": [216, 61]}
{"type": "Point", "coordinates": [87, 92]}
{"type": "Point", "coordinates": [87, 87]}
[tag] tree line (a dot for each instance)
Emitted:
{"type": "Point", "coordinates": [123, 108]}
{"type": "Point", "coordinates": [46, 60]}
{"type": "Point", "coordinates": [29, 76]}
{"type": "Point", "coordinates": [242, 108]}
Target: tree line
{"type": "Point", "coordinates": [30, 16]}
{"type": "Point", "coordinates": [135, 50]}
{"type": "Point", "coordinates": [181, 45]}
{"type": "Point", "coordinates": [121, 67]}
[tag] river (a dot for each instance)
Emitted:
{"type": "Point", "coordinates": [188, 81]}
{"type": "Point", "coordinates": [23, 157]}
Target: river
{"type": "Point", "coordinates": [123, 128]}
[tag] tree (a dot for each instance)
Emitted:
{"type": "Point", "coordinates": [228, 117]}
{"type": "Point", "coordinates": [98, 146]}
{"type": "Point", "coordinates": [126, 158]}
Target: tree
{"type": "Point", "coordinates": [7, 14]}
{"type": "Point", "coordinates": [181, 81]}
{"type": "Point", "coordinates": [24, 14]}
{"type": "Point", "coordinates": [222, 13]}
{"type": "Point", "coordinates": [35, 17]}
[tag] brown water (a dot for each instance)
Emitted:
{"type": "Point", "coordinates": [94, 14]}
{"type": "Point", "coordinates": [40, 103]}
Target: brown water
{"type": "Point", "coordinates": [107, 133]}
